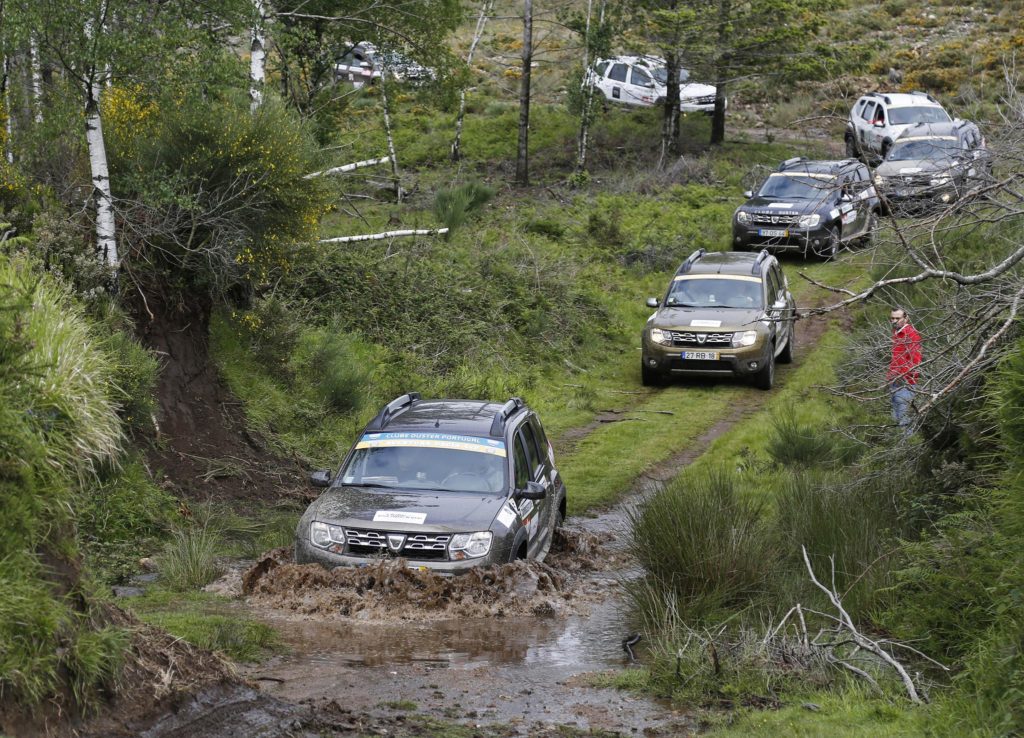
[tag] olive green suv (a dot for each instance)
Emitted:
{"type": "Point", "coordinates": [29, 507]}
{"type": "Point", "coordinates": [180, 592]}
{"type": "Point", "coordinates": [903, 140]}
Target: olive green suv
{"type": "Point", "coordinates": [724, 314]}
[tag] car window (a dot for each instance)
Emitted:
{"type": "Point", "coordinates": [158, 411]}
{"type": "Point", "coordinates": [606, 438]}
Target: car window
{"type": "Point", "coordinates": [532, 450]}
{"type": "Point", "coordinates": [918, 114]}
{"type": "Point", "coordinates": [879, 116]}
{"type": "Point", "coordinates": [640, 78]}
{"type": "Point", "coordinates": [426, 462]}
{"type": "Point", "coordinates": [715, 292]}
{"type": "Point", "coordinates": [858, 108]}
{"type": "Point", "coordinates": [600, 67]}
{"type": "Point", "coordinates": [522, 463]}
{"type": "Point", "coordinates": [868, 112]}
{"type": "Point", "coordinates": [542, 437]}
{"type": "Point", "coordinates": [618, 73]}
{"type": "Point", "coordinates": [773, 286]}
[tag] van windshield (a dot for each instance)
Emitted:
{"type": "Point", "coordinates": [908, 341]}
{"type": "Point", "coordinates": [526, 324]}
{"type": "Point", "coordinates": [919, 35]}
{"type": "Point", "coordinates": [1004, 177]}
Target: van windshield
{"type": "Point", "coordinates": [427, 462]}
{"type": "Point", "coordinates": [797, 186]}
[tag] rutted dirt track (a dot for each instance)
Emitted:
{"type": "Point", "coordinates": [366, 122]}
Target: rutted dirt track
{"type": "Point", "coordinates": [384, 650]}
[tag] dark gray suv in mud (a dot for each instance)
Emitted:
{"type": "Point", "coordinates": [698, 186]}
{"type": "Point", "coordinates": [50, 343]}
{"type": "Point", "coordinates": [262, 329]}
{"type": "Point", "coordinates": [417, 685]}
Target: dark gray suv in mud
{"type": "Point", "coordinates": [446, 485]}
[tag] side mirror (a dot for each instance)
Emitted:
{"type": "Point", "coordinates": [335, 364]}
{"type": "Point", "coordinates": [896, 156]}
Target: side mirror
{"type": "Point", "coordinates": [653, 302]}
{"type": "Point", "coordinates": [779, 305]}
{"type": "Point", "coordinates": [845, 197]}
{"type": "Point", "coordinates": [320, 478]}
{"type": "Point", "coordinates": [533, 491]}
{"type": "Point", "coordinates": [748, 194]}
{"type": "Point", "coordinates": [878, 124]}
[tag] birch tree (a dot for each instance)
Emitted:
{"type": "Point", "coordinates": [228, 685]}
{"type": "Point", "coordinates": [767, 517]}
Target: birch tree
{"type": "Point", "coordinates": [523, 147]}
{"type": "Point", "coordinates": [257, 57]}
{"type": "Point", "coordinates": [481, 21]}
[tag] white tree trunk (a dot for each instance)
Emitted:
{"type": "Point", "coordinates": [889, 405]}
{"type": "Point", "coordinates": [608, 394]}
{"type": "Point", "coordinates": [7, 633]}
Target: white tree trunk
{"type": "Point", "coordinates": [481, 21]}
{"type": "Point", "coordinates": [37, 80]}
{"type": "Point", "coordinates": [386, 235]}
{"type": "Point", "coordinates": [588, 94]}
{"type": "Point", "coordinates": [349, 167]}
{"type": "Point", "coordinates": [106, 235]}
{"type": "Point", "coordinates": [257, 59]}
{"type": "Point", "coordinates": [387, 131]}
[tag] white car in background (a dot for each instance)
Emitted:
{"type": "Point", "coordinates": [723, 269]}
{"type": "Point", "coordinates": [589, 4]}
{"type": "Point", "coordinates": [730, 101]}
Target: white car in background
{"type": "Point", "coordinates": [643, 81]}
{"type": "Point", "coordinates": [364, 63]}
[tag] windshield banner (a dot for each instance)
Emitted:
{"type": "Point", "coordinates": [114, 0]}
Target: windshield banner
{"type": "Point", "coordinates": [490, 446]}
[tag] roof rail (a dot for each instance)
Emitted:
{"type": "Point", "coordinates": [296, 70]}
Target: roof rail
{"type": "Point", "coordinates": [791, 161]}
{"type": "Point", "coordinates": [761, 256]}
{"type": "Point", "coordinates": [391, 409]}
{"type": "Point", "coordinates": [501, 417]}
{"type": "Point", "coordinates": [927, 95]}
{"type": "Point", "coordinates": [691, 260]}
{"type": "Point", "coordinates": [872, 94]}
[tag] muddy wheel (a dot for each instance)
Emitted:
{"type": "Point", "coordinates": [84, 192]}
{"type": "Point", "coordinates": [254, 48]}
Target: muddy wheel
{"type": "Point", "coordinates": [765, 378]}
{"type": "Point", "coordinates": [831, 249]}
{"type": "Point", "coordinates": [868, 239]}
{"type": "Point", "coordinates": [852, 150]}
{"type": "Point", "coordinates": [786, 357]}
{"type": "Point", "coordinates": [650, 377]}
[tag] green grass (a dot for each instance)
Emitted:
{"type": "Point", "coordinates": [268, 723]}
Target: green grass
{"type": "Point", "coordinates": [207, 621]}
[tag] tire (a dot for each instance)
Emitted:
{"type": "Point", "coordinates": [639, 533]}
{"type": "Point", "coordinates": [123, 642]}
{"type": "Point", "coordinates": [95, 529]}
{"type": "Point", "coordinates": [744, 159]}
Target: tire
{"type": "Point", "coordinates": [886, 145]}
{"type": "Point", "coordinates": [765, 378]}
{"type": "Point", "coordinates": [786, 357]}
{"type": "Point", "coordinates": [868, 239]}
{"type": "Point", "coordinates": [831, 249]}
{"type": "Point", "coordinates": [852, 149]}
{"type": "Point", "coordinates": [649, 377]}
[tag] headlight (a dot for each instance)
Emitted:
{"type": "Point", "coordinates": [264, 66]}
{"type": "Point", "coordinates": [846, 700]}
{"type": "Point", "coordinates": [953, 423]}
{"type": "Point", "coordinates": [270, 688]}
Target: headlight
{"type": "Point", "coordinates": [879, 180]}
{"type": "Point", "coordinates": [469, 545]}
{"type": "Point", "coordinates": [323, 535]}
{"type": "Point", "coordinates": [662, 337]}
{"type": "Point", "coordinates": [809, 221]}
{"type": "Point", "coordinates": [940, 180]}
{"type": "Point", "coordinates": [746, 338]}
{"type": "Point", "coordinates": [742, 216]}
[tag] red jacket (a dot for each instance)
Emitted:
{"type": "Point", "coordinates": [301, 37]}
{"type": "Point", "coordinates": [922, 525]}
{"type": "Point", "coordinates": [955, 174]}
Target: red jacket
{"type": "Point", "coordinates": [906, 354]}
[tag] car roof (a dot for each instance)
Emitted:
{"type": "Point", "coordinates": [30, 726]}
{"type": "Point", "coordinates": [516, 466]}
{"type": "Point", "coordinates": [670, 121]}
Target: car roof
{"type": "Point", "coordinates": [643, 59]}
{"type": "Point", "coordinates": [949, 129]}
{"type": "Point", "coordinates": [727, 262]}
{"type": "Point", "coordinates": [818, 166]}
{"type": "Point", "coordinates": [409, 413]}
{"type": "Point", "coordinates": [903, 99]}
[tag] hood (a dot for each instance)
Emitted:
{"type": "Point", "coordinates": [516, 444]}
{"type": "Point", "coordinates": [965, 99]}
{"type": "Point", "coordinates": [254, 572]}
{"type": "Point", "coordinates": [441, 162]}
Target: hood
{"type": "Point", "coordinates": [695, 89]}
{"type": "Point", "coordinates": [408, 511]}
{"type": "Point", "coordinates": [913, 166]}
{"type": "Point", "coordinates": [682, 319]}
{"type": "Point", "coordinates": [781, 206]}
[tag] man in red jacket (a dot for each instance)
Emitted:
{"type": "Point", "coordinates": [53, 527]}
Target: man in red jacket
{"type": "Point", "coordinates": [902, 375]}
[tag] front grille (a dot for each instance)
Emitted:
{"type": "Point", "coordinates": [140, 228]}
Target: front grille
{"type": "Point", "coordinates": [417, 546]}
{"type": "Point", "coordinates": [689, 338]}
{"type": "Point", "coordinates": [763, 219]}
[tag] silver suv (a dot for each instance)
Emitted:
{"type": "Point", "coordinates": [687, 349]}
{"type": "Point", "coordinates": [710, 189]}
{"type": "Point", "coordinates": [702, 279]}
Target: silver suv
{"type": "Point", "coordinates": [877, 119]}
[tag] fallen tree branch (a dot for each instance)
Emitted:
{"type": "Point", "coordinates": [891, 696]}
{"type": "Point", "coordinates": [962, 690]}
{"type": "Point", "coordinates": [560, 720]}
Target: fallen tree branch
{"type": "Point", "coordinates": [349, 167]}
{"type": "Point", "coordinates": [386, 235]}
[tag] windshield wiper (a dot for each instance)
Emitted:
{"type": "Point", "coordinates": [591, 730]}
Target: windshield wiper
{"type": "Point", "coordinates": [369, 484]}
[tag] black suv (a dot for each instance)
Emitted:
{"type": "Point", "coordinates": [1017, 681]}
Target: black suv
{"type": "Point", "coordinates": [726, 313]}
{"type": "Point", "coordinates": [444, 484]}
{"type": "Point", "coordinates": [814, 207]}
{"type": "Point", "coordinates": [933, 164]}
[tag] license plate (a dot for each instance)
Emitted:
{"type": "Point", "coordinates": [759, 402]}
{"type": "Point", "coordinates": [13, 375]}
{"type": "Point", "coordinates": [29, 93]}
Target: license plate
{"type": "Point", "coordinates": [771, 233]}
{"type": "Point", "coordinates": [700, 355]}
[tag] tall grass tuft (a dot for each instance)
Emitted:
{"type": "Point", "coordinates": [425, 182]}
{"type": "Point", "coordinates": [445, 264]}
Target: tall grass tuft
{"type": "Point", "coordinates": [700, 539]}
{"type": "Point", "coordinates": [94, 663]}
{"type": "Point", "coordinates": [793, 442]}
{"type": "Point", "coordinates": [189, 559]}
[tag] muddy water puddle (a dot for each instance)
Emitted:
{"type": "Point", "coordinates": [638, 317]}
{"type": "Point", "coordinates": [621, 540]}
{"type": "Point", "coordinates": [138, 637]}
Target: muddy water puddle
{"type": "Point", "coordinates": [513, 668]}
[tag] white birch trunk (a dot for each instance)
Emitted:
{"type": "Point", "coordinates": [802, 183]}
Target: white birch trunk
{"type": "Point", "coordinates": [485, 9]}
{"type": "Point", "coordinates": [37, 80]}
{"type": "Point", "coordinates": [386, 235]}
{"type": "Point", "coordinates": [8, 125]}
{"type": "Point", "coordinates": [106, 235]}
{"type": "Point", "coordinates": [588, 93]}
{"type": "Point", "coordinates": [257, 59]}
{"type": "Point", "coordinates": [349, 167]}
{"type": "Point", "coordinates": [387, 131]}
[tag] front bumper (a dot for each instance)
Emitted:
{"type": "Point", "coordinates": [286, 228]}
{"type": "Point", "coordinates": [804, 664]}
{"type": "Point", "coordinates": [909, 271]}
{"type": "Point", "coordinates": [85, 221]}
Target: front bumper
{"type": "Point", "coordinates": [744, 361]}
{"type": "Point", "coordinates": [909, 198]}
{"type": "Point", "coordinates": [307, 553]}
{"type": "Point", "coordinates": [804, 240]}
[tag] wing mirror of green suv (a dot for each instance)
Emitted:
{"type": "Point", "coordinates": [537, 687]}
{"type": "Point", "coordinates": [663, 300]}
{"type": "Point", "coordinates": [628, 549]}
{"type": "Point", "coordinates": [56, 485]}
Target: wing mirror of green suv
{"type": "Point", "coordinates": [320, 478]}
{"type": "Point", "coordinates": [533, 491]}
{"type": "Point", "coordinates": [652, 302]}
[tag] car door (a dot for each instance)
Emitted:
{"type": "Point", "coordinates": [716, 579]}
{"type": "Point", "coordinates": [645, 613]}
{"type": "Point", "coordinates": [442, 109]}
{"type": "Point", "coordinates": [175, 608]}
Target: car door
{"type": "Point", "coordinates": [854, 188]}
{"type": "Point", "coordinates": [641, 89]}
{"type": "Point", "coordinates": [616, 81]}
{"type": "Point", "coordinates": [867, 115]}
{"type": "Point", "coordinates": [538, 518]}
{"type": "Point", "coordinates": [778, 293]}
{"type": "Point", "coordinates": [877, 130]}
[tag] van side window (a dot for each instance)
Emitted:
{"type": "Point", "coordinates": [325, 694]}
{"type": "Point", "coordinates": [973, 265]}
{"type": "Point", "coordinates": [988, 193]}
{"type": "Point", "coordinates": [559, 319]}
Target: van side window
{"type": "Point", "coordinates": [618, 73]}
{"type": "Point", "coordinates": [522, 470]}
{"type": "Point", "coordinates": [530, 441]}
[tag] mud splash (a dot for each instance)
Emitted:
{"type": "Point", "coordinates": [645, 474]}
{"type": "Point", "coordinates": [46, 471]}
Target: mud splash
{"type": "Point", "coordinates": [389, 590]}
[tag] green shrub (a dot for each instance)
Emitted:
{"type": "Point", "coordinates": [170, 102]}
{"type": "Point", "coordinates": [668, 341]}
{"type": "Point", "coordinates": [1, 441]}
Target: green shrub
{"type": "Point", "coordinates": [795, 442]}
{"type": "Point", "coordinates": [700, 539]}
{"type": "Point", "coordinates": [94, 663]}
{"type": "Point", "coordinates": [453, 206]}
{"type": "Point", "coordinates": [339, 366]}
{"type": "Point", "coordinates": [189, 558]}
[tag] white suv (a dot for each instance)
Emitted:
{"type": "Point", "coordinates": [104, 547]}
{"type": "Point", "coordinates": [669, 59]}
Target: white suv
{"type": "Point", "coordinates": [643, 81]}
{"type": "Point", "coordinates": [877, 119]}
